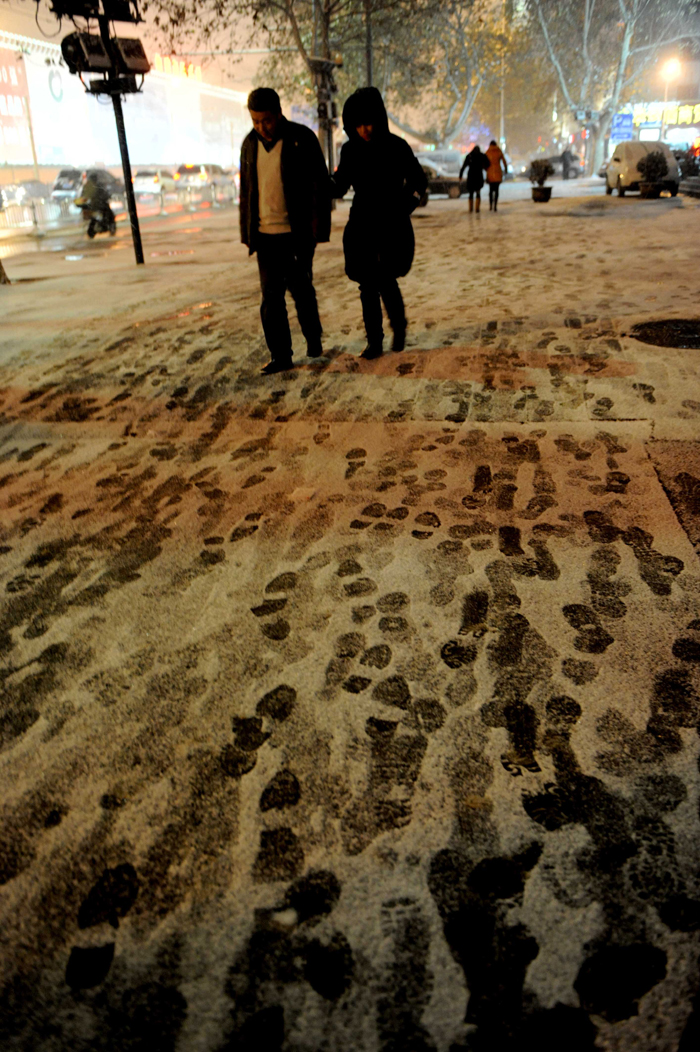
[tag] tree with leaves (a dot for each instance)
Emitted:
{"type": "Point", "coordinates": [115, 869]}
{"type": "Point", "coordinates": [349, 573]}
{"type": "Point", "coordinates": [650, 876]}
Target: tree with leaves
{"type": "Point", "coordinates": [599, 49]}
{"type": "Point", "coordinates": [460, 45]}
{"type": "Point", "coordinates": [431, 57]}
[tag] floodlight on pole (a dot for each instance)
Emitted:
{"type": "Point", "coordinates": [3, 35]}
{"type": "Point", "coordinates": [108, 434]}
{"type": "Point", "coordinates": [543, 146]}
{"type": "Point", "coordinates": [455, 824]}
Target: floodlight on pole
{"type": "Point", "coordinates": [671, 71]}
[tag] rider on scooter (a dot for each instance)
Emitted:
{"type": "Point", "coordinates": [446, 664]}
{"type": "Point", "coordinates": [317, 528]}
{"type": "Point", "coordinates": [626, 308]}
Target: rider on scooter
{"type": "Point", "coordinates": [94, 199]}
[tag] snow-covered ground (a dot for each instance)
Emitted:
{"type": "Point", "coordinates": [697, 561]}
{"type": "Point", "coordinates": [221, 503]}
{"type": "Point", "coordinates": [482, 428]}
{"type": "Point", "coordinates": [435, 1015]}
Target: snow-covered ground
{"type": "Point", "coordinates": [353, 707]}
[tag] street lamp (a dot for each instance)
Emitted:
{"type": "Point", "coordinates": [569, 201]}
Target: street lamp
{"type": "Point", "coordinates": [670, 71]}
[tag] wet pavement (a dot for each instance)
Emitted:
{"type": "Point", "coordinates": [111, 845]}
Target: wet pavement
{"type": "Point", "coordinates": [354, 707]}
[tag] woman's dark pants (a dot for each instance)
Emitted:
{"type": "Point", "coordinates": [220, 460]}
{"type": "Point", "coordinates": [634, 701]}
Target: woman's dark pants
{"type": "Point", "coordinates": [372, 293]}
{"type": "Point", "coordinates": [284, 265]}
{"type": "Point", "coordinates": [493, 194]}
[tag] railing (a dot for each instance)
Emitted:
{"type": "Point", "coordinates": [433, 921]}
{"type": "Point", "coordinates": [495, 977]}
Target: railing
{"type": "Point", "coordinates": [34, 215]}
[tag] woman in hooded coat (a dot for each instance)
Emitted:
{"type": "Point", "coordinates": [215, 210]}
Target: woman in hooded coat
{"type": "Point", "coordinates": [477, 163]}
{"type": "Point", "coordinates": [378, 238]}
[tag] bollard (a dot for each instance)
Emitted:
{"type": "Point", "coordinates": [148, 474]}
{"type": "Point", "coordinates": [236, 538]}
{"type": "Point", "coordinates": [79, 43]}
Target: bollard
{"type": "Point", "coordinates": [191, 207]}
{"type": "Point", "coordinates": [162, 203]}
{"type": "Point", "coordinates": [35, 222]}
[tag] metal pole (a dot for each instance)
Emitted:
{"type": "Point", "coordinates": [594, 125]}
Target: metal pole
{"type": "Point", "coordinates": [502, 131]}
{"type": "Point", "coordinates": [663, 114]}
{"type": "Point", "coordinates": [123, 149]}
{"type": "Point", "coordinates": [368, 41]}
{"type": "Point", "coordinates": [128, 185]}
{"type": "Point", "coordinates": [28, 114]}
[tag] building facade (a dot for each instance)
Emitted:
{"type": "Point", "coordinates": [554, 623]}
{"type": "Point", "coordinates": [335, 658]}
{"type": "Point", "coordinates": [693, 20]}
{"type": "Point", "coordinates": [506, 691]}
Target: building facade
{"type": "Point", "coordinates": [176, 119]}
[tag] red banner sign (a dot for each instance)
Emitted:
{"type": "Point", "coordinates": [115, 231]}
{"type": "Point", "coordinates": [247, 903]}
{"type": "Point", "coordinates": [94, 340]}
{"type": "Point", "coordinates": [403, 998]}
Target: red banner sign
{"type": "Point", "coordinates": [15, 147]}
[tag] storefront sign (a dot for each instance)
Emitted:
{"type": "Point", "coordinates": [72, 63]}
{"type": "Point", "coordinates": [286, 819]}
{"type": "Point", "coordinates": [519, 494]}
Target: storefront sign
{"type": "Point", "coordinates": [15, 147]}
{"type": "Point", "coordinates": [653, 112]}
{"type": "Point", "coordinates": [176, 67]}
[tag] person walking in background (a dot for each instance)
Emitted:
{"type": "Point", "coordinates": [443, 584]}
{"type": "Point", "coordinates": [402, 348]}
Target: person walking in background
{"type": "Point", "coordinates": [566, 161]}
{"type": "Point", "coordinates": [494, 173]}
{"type": "Point", "coordinates": [378, 239]}
{"type": "Point", "coordinates": [285, 210]}
{"type": "Point", "coordinates": [476, 162]}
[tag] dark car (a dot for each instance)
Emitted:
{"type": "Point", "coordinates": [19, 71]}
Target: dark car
{"type": "Point", "coordinates": [575, 167]}
{"type": "Point", "coordinates": [105, 179]}
{"type": "Point", "coordinates": [67, 184]}
{"type": "Point", "coordinates": [439, 182]}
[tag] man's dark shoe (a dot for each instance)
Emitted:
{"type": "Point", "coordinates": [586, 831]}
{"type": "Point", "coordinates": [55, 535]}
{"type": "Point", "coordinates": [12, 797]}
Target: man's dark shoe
{"type": "Point", "coordinates": [372, 351]}
{"type": "Point", "coordinates": [277, 366]}
{"type": "Point", "coordinates": [399, 341]}
{"type": "Point", "coordinates": [314, 350]}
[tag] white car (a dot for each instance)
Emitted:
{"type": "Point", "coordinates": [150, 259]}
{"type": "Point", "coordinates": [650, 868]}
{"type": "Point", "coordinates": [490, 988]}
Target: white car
{"type": "Point", "coordinates": [158, 181]}
{"type": "Point", "coordinates": [622, 174]}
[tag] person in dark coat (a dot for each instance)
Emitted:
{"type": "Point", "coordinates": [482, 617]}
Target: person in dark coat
{"type": "Point", "coordinates": [566, 162]}
{"type": "Point", "coordinates": [476, 164]}
{"type": "Point", "coordinates": [285, 210]}
{"type": "Point", "coordinates": [378, 239]}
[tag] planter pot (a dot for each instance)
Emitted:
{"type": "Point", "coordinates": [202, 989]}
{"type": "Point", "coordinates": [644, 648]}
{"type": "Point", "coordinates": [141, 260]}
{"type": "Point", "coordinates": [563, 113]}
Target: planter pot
{"type": "Point", "coordinates": [541, 193]}
{"type": "Point", "coordinates": [650, 189]}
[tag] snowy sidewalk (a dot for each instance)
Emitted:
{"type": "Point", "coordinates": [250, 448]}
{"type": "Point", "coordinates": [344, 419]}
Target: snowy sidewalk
{"type": "Point", "coordinates": [354, 707]}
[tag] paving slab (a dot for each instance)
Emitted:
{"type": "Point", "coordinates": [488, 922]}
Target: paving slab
{"type": "Point", "coordinates": [354, 707]}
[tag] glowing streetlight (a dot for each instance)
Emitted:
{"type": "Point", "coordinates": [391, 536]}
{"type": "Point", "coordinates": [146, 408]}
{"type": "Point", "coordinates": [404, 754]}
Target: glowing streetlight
{"type": "Point", "coordinates": [671, 71]}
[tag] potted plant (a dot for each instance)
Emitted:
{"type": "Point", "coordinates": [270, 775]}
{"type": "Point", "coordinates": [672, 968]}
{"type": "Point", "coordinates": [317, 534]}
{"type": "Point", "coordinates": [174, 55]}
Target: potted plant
{"type": "Point", "coordinates": [538, 172]}
{"type": "Point", "coordinates": [653, 169]}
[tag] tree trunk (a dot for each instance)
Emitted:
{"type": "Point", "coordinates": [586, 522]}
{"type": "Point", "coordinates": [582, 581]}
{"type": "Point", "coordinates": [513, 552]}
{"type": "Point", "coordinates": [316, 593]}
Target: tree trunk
{"type": "Point", "coordinates": [4, 280]}
{"type": "Point", "coordinates": [599, 142]}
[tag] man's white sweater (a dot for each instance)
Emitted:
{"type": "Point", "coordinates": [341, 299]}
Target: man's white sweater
{"type": "Point", "coordinates": [274, 218]}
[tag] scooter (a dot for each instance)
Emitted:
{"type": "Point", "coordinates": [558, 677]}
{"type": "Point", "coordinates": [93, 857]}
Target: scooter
{"type": "Point", "coordinates": [99, 220]}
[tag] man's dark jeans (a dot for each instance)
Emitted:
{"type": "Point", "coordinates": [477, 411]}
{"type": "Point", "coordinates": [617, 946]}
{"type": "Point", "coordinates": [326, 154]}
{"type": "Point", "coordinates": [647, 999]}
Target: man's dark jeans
{"type": "Point", "coordinates": [284, 265]}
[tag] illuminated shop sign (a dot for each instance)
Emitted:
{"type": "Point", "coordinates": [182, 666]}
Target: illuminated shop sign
{"type": "Point", "coordinates": [14, 127]}
{"type": "Point", "coordinates": [653, 112]}
{"type": "Point", "coordinates": [176, 67]}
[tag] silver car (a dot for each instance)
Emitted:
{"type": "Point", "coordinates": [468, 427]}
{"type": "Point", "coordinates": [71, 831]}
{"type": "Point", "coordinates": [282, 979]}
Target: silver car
{"type": "Point", "coordinates": [154, 181]}
{"type": "Point", "coordinates": [210, 179]}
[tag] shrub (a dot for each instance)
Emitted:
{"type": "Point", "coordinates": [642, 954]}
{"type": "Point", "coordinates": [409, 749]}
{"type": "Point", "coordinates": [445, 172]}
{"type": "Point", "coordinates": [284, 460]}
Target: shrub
{"type": "Point", "coordinates": [689, 164]}
{"type": "Point", "coordinates": [653, 168]}
{"type": "Point", "coordinates": [539, 171]}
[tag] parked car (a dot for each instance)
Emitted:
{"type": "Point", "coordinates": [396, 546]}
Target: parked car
{"type": "Point", "coordinates": [235, 176]}
{"type": "Point", "coordinates": [24, 192]}
{"type": "Point", "coordinates": [447, 161]}
{"type": "Point", "coordinates": [7, 196]}
{"type": "Point", "coordinates": [622, 174]}
{"type": "Point", "coordinates": [114, 186]}
{"type": "Point", "coordinates": [439, 182]}
{"type": "Point", "coordinates": [33, 190]}
{"type": "Point", "coordinates": [203, 176]}
{"type": "Point", "coordinates": [603, 169]}
{"type": "Point", "coordinates": [66, 185]}
{"type": "Point", "coordinates": [157, 181]}
{"type": "Point", "coordinates": [575, 168]}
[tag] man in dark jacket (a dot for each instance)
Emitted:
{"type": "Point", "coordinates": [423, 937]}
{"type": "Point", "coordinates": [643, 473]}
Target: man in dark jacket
{"type": "Point", "coordinates": [378, 240]}
{"type": "Point", "coordinates": [284, 212]}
